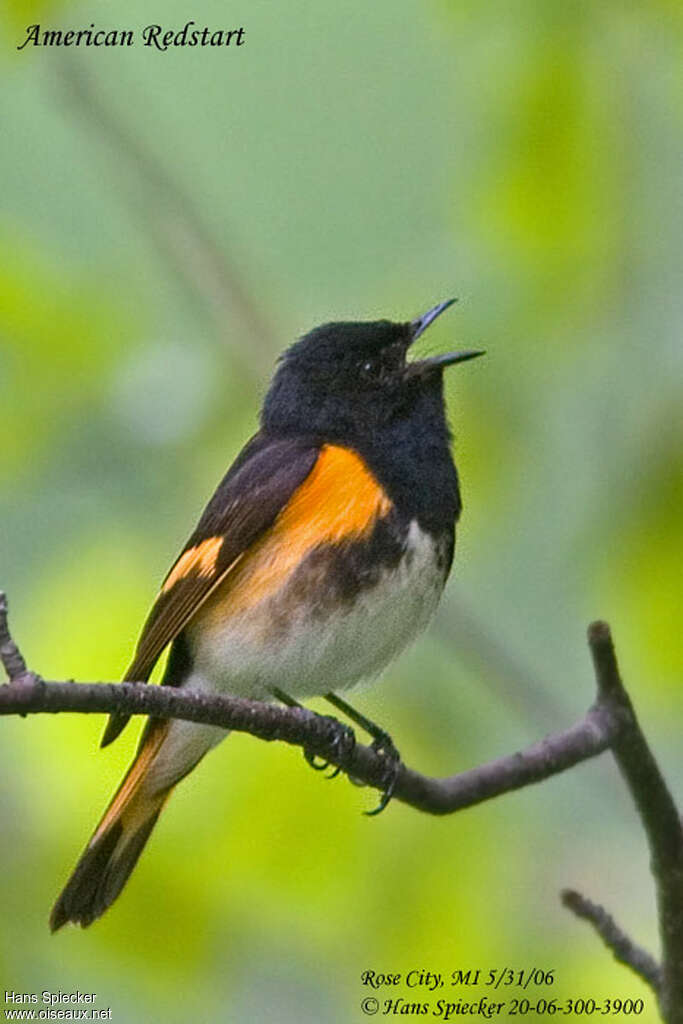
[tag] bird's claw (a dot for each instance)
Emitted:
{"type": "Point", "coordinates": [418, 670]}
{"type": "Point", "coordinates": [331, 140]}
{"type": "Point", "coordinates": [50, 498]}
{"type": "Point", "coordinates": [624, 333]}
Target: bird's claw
{"type": "Point", "coordinates": [311, 759]}
{"type": "Point", "coordinates": [385, 747]}
{"type": "Point", "coordinates": [343, 745]}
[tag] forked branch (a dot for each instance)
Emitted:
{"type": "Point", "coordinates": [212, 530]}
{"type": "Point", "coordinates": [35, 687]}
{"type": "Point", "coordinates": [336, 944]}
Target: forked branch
{"type": "Point", "coordinates": [610, 723]}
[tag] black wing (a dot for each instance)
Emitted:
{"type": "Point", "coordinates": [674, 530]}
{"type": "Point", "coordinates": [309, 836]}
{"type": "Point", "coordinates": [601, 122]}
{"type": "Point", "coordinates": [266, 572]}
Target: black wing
{"type": "Point", "coordinates": [246, 503]}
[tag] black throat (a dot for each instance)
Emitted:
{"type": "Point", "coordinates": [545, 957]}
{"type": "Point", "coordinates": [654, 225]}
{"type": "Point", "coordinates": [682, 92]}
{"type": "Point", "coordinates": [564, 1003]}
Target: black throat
{"type": "Point", "coordinates": [411, 458]}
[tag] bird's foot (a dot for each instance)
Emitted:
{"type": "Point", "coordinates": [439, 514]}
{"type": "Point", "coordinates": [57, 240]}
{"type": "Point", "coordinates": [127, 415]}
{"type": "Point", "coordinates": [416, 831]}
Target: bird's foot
{"type": "Point", "coordinates": [343, 746]}
{"type": "Point", "coordinates": [383, 745]}
{"type": "Point", "coordinates": [343, 741]}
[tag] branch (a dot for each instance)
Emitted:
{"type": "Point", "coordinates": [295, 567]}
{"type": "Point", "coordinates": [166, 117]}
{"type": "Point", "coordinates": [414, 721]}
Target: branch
{"type": "Point", "coordinates": [624, 949]}
{"type": "Point", "coordinates": [27, 693]}
{"type": "Point", "coordinates": [10, 655]}
{"type": "Point", "coordinates": [178, 228]}
{"type": "Point", "coordinates": [479, 646]}
{"type": "Point", "coordinates": [657, 811]}
{"type": "Point", "coordinates": [318, 734]}
{"type": "Point", "coordinates": [610, 724]}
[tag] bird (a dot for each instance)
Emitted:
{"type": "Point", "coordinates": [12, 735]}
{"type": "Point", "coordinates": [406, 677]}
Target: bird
{"type": "Point", "coordinates": [321, 555]}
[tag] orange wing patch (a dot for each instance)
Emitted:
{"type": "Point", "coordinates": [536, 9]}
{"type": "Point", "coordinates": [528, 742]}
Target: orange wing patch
{"type": "Point", "coordinates": [196, 561]}
{"type": "Point", "coordinates": [339, 500]}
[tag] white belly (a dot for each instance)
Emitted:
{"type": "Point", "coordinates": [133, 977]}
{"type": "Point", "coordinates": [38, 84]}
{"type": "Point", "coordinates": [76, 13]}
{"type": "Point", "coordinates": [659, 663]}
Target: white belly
{"type": "Point", "coordinates": [306, 653]}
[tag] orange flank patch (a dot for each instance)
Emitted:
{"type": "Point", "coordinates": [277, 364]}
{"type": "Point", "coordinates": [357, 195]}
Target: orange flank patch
{"type": "Point", "coordinates": [339, 500]}
{"type": "Point", "coordinates": [196, 561]}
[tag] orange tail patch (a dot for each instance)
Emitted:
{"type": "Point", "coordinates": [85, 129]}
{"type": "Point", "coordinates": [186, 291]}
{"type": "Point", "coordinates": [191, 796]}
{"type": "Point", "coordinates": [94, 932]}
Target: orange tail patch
{"type": "Point", "coordinates": [127, 803]}
{"type": "Point", "coordinates": [110, 856]}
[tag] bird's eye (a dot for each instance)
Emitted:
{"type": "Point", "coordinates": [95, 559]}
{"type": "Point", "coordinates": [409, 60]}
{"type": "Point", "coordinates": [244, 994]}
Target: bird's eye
{"type": "Point", "coordinates": [369, 368]}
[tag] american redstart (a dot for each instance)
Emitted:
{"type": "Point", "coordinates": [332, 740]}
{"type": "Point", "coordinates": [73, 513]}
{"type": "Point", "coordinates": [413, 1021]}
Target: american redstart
{"type": "Point", "coordinates": [322, 554]}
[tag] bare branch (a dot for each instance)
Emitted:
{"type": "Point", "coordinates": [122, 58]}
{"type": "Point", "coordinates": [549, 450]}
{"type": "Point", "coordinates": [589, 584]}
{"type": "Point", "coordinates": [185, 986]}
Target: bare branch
{"type": "Point", "coordinates": [623, 948]}
{"type": "Point", "coordinates": [29, 694]}
{"type": "Point", "coordinates": [178, 229]}
{"type": "Point", "coordinates": [318, 734]}
{"type": "Point", "coordinates": [658, 814]}
{"type": "Point", "coordinates": [10, 655]}
{"type": "Point", "coordinates": [610, 724]}
{"type": "Point", "coordinates": [513, 683]}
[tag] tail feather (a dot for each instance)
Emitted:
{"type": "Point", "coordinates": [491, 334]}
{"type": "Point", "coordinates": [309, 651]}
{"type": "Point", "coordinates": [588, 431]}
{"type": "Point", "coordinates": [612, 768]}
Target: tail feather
{"type": "Point", "coordinates": [112, 853]}
{"type": "Point", "coordinates": [114, 727]}
{"type": "Point", "coordinates": [137, 673]}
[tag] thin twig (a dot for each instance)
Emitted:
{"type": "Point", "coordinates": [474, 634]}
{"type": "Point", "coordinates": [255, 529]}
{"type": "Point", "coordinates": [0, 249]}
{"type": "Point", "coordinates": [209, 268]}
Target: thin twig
{"type": "Point", "coordinates": [512, 682]}
{"type": "Point", "coordinates": [10, 655]}
{"type": "Point", "coordinates": [179, 230]}
{"type": "Point", "coordinates": [657, 811]}
{"type": "Point", "coordinates": [624, 949]}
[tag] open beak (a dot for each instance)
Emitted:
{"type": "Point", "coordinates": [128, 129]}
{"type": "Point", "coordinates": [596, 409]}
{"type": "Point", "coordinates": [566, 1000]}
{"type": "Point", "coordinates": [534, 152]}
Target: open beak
{"type": "Point", "coordinates": [420, 325]}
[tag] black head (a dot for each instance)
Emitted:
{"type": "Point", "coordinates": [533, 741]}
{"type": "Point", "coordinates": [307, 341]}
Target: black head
{"type": "Point", "coordinates": [345, 380]}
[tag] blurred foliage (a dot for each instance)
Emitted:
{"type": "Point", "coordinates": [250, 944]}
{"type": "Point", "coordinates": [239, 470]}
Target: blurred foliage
{"type": "Point", "coordinates": [351, 161]}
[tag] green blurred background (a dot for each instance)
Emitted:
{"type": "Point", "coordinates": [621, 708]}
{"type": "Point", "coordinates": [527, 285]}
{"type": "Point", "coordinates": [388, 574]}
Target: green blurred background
{"type": "Point", "coordinates": [168, 223]}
